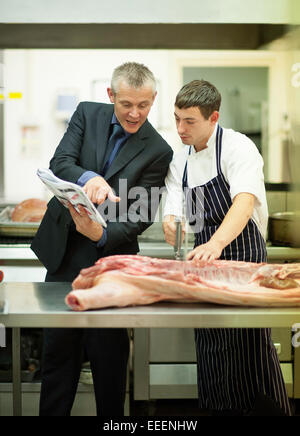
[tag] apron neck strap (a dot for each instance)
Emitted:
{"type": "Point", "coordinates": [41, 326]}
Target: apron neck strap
{"type": "Point", "coordinates": [184, 177]}
{"type": "Point", "coordinates": [219, 137]}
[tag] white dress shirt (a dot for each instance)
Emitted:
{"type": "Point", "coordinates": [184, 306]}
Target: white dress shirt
{"type": "Point", "coordinates": [241, 165]}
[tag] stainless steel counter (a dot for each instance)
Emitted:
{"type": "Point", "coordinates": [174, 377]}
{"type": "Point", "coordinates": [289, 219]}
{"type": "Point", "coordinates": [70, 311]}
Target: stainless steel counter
{"type": "Point", "coordinates": [42, 305]}
{"type": "Point", "coordinates": [153, 249]}
{"type": "Point", "coordinates": [163, 250]}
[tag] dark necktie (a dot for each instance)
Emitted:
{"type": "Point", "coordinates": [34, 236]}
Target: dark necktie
{"type": "Point", "coordinates": [113, 146]}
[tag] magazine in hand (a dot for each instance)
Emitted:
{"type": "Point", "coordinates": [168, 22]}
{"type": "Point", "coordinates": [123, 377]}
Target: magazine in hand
{"type": "Point", "coordinates": [69, 192]}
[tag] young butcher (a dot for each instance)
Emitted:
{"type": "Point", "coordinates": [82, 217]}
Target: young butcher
{"type": "Point", "coordinates": [220, 176]}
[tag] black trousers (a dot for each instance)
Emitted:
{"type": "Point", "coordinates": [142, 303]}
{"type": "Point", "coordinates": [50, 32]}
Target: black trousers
{"type": "Point", "coordinates": [65, 349]}
{"type": "Point", "coordinates": [63, 353]}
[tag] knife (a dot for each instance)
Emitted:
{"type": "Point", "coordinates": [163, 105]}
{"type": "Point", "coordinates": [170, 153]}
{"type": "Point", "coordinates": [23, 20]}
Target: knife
{"type": "Point", "coordinates": [178, 240]}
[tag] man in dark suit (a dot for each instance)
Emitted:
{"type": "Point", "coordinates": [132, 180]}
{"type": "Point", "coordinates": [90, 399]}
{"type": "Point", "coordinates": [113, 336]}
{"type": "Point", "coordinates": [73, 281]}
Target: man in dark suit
{"type": "Point", "coordinates": [108, 149]}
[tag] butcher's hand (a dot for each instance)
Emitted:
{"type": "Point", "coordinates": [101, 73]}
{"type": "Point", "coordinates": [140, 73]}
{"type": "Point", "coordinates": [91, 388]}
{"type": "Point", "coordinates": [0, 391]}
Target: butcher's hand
{"type": "Point", "coordinates": [169, 228]}
{"type": "Point", "coordinates": [206, 252]}
{"type": "Point", "coordinates": [84, 224]}
{"type": "Point", "coordinates": [98, 190]}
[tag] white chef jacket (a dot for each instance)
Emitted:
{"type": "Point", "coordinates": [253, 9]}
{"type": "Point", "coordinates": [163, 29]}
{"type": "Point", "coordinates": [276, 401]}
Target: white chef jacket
{"type": "Point", "coordinates": [241, 165]}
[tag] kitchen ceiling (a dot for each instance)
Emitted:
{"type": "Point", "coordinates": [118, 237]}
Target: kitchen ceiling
{"type": "Point", "coordinates": [216, 36]}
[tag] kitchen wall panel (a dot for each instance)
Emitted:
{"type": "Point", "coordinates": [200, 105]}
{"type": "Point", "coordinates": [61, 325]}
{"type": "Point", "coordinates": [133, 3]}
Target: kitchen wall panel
{"type": "Point", "coordinates": [32, 125]}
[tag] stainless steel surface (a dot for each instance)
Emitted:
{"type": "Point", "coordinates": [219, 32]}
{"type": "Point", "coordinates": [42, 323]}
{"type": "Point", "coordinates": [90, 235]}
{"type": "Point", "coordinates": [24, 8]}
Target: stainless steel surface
{"type": "Point", "coordinates": [173, 381]}
{"type": "Point", "coordinates": [141, 368]}
{"type": "Point", "coordinates": [152, 249]}
{"type": "Point", "coordinates": [282, 339]}
{"type": "Point", "coordinates": [284, 228]}
{"type": "Point", "coordinates": [171, 345]}
{"type": "Point", "coordinates": [163, 250]}
{"type": "Point", "coordinates": [297, 372]}
{"type": "Point", "coordinates": [16, 365]}
{"type": "Point", "coordinates": [84, 403]}
{"type": "Point", "coordinates": [180, 380]}
{"type": "Point", "coordinates": [172, 352]}
{"type": "Point", "coordinates": [19, 252]}
{"type": "Point", "coordinates": [18, 229]}
{"type": "Point", "coordinates": [42, 305]}
{"type": "Point", "coordinates": [287, 372]}
{"type": "Point", "coordinates": [19, 264]}
{"type": "Point", "coordinates": [177, 345]}
{"type": "Point", "coordinates": [11, 228]}
{"type": "Point", "coordinates": [283, 254]}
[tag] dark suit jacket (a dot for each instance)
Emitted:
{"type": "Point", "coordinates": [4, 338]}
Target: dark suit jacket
{"type": "Point", "coordinates": [143, 161]}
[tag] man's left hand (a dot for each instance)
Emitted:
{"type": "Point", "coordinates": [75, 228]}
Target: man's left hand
{"type": "Point", "coordinates": [84, 224]}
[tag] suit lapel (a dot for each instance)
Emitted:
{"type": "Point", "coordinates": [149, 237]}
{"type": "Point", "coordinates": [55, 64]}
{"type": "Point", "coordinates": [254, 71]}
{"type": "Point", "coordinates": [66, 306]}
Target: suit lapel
{"type": "Point", "coordinates": [103, 127]}
{"type": "Point", "coordinates": [133, 146]}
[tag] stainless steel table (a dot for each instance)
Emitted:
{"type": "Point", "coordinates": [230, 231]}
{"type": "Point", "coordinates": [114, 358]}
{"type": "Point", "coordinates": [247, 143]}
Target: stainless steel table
{"type": "Point", "coordinates": [42, 305]}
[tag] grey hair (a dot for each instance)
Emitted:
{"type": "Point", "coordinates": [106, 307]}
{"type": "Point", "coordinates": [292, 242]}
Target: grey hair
{"type": "Point", "coordinates": [134, 74]}
{"type": "Point", "coordinates": [199, 93]}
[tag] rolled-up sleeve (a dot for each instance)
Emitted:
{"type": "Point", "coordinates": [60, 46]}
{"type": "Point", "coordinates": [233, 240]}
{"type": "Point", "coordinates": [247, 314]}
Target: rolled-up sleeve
{"type": "Point", "coordinates": [244, 170]}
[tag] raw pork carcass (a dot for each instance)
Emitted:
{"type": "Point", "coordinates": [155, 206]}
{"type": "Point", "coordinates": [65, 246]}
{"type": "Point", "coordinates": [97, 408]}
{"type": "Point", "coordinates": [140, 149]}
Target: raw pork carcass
{"type": "Point", "coordinates": [31, 210]}
{"type": "Point", "coordinates": [125, 280]}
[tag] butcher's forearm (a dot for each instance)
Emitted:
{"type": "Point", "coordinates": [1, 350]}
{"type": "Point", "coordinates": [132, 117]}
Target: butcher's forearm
{"type": "Point", "coordinates": [235, 220]}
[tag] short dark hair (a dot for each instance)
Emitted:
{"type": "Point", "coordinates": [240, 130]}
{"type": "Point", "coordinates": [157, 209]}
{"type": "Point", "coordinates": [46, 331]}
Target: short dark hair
{"type": "Point", "coordinates": [199, 93]}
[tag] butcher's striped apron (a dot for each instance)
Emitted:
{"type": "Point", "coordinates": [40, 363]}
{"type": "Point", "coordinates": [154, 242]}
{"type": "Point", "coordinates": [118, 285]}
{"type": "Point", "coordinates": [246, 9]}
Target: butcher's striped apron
{"type": "Point", "coordinates": [234, 365]}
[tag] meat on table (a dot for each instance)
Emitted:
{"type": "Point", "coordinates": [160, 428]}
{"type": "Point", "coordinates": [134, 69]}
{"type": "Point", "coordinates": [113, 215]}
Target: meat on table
{"type": "Point", "coordinates": [130, 280]}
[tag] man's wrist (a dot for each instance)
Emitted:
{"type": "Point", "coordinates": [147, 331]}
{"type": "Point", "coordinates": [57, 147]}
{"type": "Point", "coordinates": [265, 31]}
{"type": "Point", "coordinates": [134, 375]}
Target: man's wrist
{"type": "Point", "coordinates": [102, 241]}
{"type": "Point", "coordinates": [218, 242]}
{"type": "Point", "coordinates": [85, 177]}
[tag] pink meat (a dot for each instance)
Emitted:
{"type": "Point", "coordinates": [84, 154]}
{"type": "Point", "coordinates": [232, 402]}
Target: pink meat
{"type": "Point", "coordinates": [31, 210]}
{"type": "Point", "coordinates": [138, 280]}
